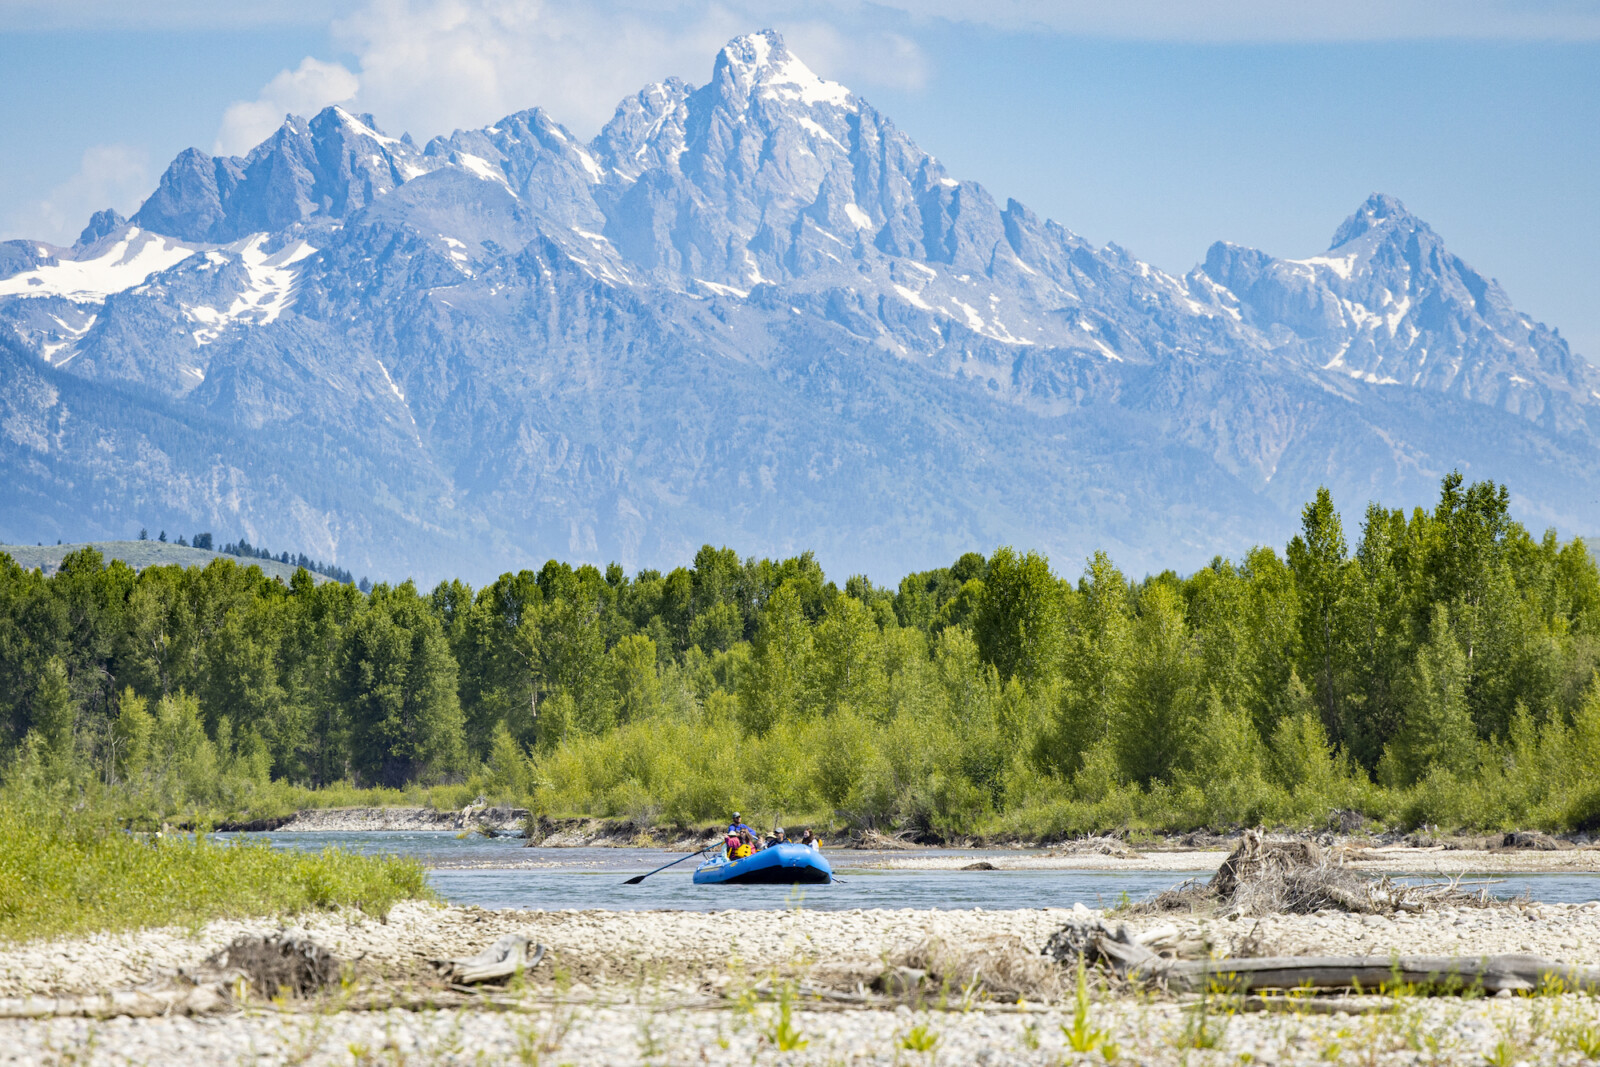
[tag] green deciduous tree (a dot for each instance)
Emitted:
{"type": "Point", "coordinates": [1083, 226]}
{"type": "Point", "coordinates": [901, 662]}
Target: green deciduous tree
{"type": "Point", "coordinates": [1317, 557]}
{"type": "Point", "coordinates": [1157, 718]}
{"type": "Point", "coordinates": [1437, 731]}
{"type": "Point", "coordinates": [635, 678]}
{"type": "Point", "coordinates": [1094, 669]}
{"type": "Point", "coordinates": [778, 681]}
{"type": "Point", "coordinates": [847, 662]}
{"type": "Point", "coordinates": [55, 716]}
{"type": "Point", "coordinates": [1017, 619]}
{"type": "Point", "coordinates": [398, 685]}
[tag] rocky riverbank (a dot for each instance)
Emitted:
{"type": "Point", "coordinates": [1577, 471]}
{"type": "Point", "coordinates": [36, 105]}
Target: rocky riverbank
{"type": "Point", "coordinates": [362, 820]}
{"type": "Point", "coordinates": [679, 987]}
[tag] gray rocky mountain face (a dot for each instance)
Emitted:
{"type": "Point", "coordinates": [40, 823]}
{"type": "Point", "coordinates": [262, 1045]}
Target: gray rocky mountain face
{"type": "Point", "coordinates": [750, 313]}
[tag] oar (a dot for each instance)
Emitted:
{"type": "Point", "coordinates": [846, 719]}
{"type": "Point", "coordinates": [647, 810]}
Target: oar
{"type": "Point", "coordinates": [636, 879]}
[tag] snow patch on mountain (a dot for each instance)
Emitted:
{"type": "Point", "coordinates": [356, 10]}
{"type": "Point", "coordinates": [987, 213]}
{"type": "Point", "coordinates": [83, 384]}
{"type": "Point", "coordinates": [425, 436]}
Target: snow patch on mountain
{"type": "Point", "coordinates": [479, 166]}
{"type": "Point", "coordinates": [115, 267]}
{"type": "Point", "coordinates": [595, 171]}
{"type": "Point", "coordinates": [59, 353]}
{"type": "Point", "coordinates": [724, 290]}
{"type": "Point", "coordinates": [911, 297]}
{"type": "Point", "coordinates": [1343, 266]}
{"type": "Point", "coordinates": [367, 131]}
{"type": "Point", "coordinates": [270, 291]}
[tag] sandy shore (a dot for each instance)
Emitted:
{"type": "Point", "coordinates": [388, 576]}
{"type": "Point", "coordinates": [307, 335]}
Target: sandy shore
{"type": "Point", "coordinates": [672, 987]}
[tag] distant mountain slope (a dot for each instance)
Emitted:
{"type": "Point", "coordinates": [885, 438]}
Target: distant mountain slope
{"type": "Point", "coordinates": [142, 554]}
{"type": "Point", "coordinates": [754, 313]}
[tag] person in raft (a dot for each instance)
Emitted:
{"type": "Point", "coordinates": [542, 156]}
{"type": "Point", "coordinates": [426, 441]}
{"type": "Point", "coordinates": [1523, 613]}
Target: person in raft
{"type": "Point", "coordinates": [809, 839]}
{"type": "Point", "coordinates": [737, 824]}
{"type": "Point", "coordinates": [746, 845]}
{"type": "Point", "coordinates": [777, 838]}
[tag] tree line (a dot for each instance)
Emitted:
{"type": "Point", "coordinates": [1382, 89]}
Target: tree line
{"type": "Point", "coordinates": [1431, 666]}
{"type": "Point", "coordinates": [245, 549]}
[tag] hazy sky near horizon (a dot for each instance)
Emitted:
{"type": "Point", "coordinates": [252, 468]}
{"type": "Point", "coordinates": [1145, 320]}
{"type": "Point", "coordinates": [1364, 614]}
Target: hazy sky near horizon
{"type": "Point", "coordinates": [1162, 125]}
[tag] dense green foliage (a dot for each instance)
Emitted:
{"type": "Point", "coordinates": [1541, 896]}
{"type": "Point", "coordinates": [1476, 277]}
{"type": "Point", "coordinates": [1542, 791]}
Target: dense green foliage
{"type": "Point", "coordinates": [1443, 669]}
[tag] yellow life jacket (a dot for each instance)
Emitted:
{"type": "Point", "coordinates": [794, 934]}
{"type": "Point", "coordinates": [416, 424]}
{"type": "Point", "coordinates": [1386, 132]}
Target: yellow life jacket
{"type": "Point", "coordinates": [742, 851]}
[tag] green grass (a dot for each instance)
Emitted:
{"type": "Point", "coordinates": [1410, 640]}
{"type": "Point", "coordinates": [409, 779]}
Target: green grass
{"type": "Point", "coordinates": [77, 874]}
{"type": "Point", "coordinates": [142, 554]}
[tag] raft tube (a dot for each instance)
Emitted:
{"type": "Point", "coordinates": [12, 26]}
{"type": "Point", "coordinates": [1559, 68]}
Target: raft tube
{"type": "Point", "coordinates": [779, 865]}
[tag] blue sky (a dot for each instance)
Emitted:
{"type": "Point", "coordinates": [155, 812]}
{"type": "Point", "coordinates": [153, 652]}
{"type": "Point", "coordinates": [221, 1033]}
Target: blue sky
{"type": "Point", "coordinates": [1156, 124]}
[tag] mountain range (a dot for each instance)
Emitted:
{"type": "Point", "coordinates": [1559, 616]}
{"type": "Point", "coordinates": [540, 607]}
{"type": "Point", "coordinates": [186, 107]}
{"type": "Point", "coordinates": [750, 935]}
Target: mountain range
{"type": "Point", "coordinates": [751, 313]}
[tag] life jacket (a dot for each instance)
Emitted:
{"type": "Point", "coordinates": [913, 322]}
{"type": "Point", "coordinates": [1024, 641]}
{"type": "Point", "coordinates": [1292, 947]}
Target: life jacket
{"type": "Point", "coordinates": [729, 844]}
{"type": "Point", "coordinates": [742, 851]}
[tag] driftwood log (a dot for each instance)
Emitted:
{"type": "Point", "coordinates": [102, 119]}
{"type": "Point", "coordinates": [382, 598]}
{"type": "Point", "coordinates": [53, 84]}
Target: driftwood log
{"type": "Point", "coordinates": [1133, 960]}
{"type": "Point", "coordinates": [1490, 974]}
{"type": "Point", "coordinates": [502, 959]}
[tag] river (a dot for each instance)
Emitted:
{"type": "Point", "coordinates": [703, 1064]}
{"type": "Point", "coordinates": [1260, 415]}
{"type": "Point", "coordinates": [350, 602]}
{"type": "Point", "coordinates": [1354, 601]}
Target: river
{"type": "Point", "coordinates": [500, 873]}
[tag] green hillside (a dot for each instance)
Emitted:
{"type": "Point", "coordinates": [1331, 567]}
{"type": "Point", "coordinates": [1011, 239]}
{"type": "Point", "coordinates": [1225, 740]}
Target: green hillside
{"type": "Point", "coordinates": [142, 554]}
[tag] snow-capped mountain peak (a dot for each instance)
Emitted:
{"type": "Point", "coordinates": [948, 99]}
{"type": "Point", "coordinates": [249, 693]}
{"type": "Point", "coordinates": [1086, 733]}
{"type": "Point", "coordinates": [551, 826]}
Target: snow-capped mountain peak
{"type": "Point", "coordinates": [1390, 305]}
{"type": "Point", "coordinates": [1378, 211]}
{"type": "Point", "coordinates": [760, 64]}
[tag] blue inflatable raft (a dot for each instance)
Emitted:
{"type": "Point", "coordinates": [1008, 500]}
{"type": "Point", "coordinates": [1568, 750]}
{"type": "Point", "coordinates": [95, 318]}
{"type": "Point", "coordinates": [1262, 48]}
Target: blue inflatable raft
{"type": "Point", "coordinates": [778, 865]}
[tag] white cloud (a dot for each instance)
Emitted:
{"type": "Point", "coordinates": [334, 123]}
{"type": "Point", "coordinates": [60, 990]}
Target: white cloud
{"type": "Point", "coordinates": [305, 90]}
{"type": "Point", "coordinates": [434, 65]}
{"type": "Point", "coordinates": [109, 175]}
{"type": "Point", "coordinates": [859, 57]}
{"type": "Point", "coordinates": [431, 66]}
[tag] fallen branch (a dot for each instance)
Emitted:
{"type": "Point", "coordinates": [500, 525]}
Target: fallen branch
{"type": "Point", "coordinates": [1132, 959]}
{"type": "Point", "coordinates": [136, 1003]}
{"type": "Point", "coordinates": [1490, 974]}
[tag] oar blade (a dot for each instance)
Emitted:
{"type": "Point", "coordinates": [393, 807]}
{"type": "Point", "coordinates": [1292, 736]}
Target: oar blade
{"type": "Point", "coordinates": [635, 880]}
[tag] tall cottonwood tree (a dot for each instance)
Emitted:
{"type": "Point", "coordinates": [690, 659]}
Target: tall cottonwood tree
{"type": "Point", "coordinates": [1317, 557]}
{"type": "Point", "coordinates": [398, 686]}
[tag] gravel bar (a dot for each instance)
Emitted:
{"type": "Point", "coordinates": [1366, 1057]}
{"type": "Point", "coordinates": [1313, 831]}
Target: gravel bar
{"type": "Point", "coordinates": [664, 987]}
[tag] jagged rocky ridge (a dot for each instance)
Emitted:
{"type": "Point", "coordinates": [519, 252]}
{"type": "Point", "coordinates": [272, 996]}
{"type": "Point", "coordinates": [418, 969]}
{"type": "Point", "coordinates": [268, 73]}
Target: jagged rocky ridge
{"type": "Point", "coordinates": [754, 313]}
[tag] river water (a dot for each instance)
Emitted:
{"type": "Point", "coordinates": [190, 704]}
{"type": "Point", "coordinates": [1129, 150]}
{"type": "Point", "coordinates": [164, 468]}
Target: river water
{"type": "Point", "coordinates": [500, 873]}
